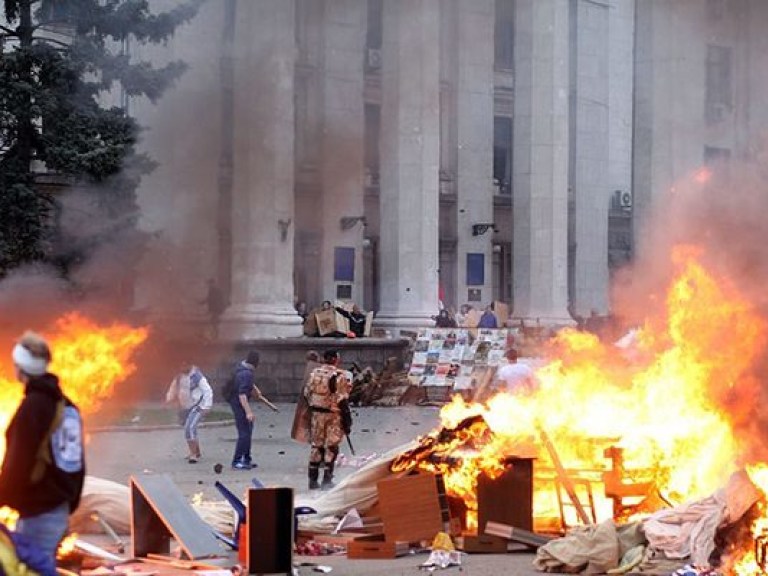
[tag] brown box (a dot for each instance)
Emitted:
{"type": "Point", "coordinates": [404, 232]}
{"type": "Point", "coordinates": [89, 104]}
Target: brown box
{"type": "Point", "coordinates": [481, 544]}
{"type": "Point", "coordinates": [414, 508]}
{"type": "Point", "coordinates": [501, 311]}
{"type": "Point", "coordinates": [329, 321]}
{"type": "Point", "coordinates": [375, 546]}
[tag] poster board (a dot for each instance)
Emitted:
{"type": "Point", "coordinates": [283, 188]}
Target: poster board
{"type": "Point", "coordinates": [368, 324]}
{"type": "Point", "coordinates": [457, 357]}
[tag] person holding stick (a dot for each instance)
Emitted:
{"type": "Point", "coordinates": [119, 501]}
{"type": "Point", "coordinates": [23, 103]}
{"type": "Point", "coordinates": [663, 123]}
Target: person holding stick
{"type": "Point", "coordinates": [238, 392]}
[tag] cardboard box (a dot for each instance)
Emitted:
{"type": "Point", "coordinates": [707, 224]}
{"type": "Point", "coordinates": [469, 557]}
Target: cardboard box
{"type": "Point", "coordinates": [501, 311]}
{"type": "Point", "coordinates": [330, 321]}
{"type": "Point", "coordinates": [375, 546]}
{"type": "Point", "coordinates": [414, 508]}
{"type": "Point", "coordinates": [481, 544]}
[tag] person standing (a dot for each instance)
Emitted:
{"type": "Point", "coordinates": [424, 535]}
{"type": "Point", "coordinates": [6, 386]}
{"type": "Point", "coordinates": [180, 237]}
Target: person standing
{"type": "Point", "coordinates": [240, 388]}
{"type": "Point", "coordinates": [327, 392]}
{"type": "Point", "coordinates": [488, 319]}
{"type": "Point", "coordinates": [191, 390]}
{"type": "Point", "coordinates": [44, 465]}
{"type": "Point", "coordinates": [516, 378]}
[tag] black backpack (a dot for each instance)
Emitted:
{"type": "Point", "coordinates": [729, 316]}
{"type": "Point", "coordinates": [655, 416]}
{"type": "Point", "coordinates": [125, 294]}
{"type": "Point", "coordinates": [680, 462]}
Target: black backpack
{"type": "Point", "coordinates": [228, 389]}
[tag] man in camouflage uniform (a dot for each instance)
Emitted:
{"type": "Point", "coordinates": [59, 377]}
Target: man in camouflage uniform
{"type": "Point", "coordinates": [326, 391]}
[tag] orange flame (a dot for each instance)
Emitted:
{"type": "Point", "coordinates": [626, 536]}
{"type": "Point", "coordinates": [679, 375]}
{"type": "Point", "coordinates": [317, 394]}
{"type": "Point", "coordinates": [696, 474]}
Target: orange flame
{"type": "Point", "coordinates": [90, 360]}
{"type": "Point", "coordinates": [670, 401]}
{"type": "Point", "coordinates": [67, 545]}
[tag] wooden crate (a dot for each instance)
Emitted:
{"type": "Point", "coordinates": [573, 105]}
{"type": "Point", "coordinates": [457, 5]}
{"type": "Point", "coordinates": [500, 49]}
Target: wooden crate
{"type": "Point", "coordinates": [414, 508]}
{"type": "Point", "coordinates": [375, 546]}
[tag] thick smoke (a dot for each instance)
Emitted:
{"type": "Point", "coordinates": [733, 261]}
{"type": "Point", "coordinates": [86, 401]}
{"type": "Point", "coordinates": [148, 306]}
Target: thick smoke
{"type": "Point", "coordinates": [719, 210]}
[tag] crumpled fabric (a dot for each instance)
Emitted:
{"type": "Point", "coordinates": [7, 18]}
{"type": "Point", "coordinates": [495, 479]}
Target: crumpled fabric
{"type": "Point", "coordinates": [594, 549]}
{"type": "Point", "coordinates": [689, 530]}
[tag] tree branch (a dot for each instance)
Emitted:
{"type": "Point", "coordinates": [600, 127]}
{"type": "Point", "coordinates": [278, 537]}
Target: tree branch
{"type": "Point", "coordinates": [9, 31]}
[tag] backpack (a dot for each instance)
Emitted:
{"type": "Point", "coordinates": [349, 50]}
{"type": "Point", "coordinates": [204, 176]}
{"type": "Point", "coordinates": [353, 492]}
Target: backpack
{"type": "Point", "coordinates": [228, 389]}
{"type": "Point", "coordinates": [64, 446]}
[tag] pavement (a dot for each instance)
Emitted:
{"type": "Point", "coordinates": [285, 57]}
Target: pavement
{"type": "Point", "coordinates": [116, 454]}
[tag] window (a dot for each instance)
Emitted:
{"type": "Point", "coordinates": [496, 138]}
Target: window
{"type": "Point", "coordinates": [505, 34]}
{"type": "Point", "coordinates": [475, 269]}
{"type": "Point", "coordinates": [344, 264]}
{"type": "Point", "coordinates": [502, 154]}
{"type": "Point", "coordinates": [718, 79]}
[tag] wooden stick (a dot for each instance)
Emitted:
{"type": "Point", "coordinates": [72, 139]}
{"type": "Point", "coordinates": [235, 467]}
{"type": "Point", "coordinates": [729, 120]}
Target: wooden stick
{"type": "Point", "coordinates": [562, 475]}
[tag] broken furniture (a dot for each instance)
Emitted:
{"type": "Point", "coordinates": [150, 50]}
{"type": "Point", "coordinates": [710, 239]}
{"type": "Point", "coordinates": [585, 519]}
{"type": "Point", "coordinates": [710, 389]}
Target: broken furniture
{"type": "Point", "coordinates": [160, 513]}
{"type": "Point", "coordinates": [616, 487]}
{"type": "Point", "coordinates": [269, 530]}
{"type": "Point", "coordinates": [414, 507]}
{"type": "Point", "coordinates": [240, 513]}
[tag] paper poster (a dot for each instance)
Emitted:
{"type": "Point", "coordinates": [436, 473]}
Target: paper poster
{"type": "Point", "coordinates": [456, 357]}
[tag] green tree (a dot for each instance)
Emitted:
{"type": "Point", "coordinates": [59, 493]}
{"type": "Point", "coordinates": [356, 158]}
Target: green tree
{"type": "Point", "coordinates": [60, 60]}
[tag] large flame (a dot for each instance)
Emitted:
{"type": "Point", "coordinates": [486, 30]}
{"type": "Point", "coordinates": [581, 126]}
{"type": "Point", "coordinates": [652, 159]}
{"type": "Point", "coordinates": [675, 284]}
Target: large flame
{"type": "Point", "coordinates": [667, 401]}
{"type": "Point", "coordinates": [89, 359]}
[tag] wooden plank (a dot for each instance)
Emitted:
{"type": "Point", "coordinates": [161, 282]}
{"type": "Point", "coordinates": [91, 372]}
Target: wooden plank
{"type": "Point", "coordinates": [413, 508]}
{"type": "Point", "coordinates": [563, 477]}
{"type": "Point", "coordinates": [269, 531]}
{"type": "Point", "coordinates": [159, 513]}
{"type": "Point", "coordinates": [508, 498]}
{"type": "Point", "coordinates": [516, 534]}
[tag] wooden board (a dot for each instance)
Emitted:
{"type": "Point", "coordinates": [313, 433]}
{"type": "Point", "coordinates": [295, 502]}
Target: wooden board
{"type": "Point", "coordinates": [481, 544]}
{"type": "Point", "coordinates": [414, 508]}
{"type": "Point", "coordinates": [508, 498]}
{"type": "Point", "coordinates": [269, 531]}
{"type": "Point", "coordinates": [159, 513]}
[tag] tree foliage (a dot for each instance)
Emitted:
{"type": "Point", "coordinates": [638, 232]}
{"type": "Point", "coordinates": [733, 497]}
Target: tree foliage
{"type": "Point", "coordinates": [60, 62]}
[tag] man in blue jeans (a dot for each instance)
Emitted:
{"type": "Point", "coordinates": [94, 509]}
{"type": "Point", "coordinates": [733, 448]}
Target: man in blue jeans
{"type": "Point", "coordinates": [242, 388]}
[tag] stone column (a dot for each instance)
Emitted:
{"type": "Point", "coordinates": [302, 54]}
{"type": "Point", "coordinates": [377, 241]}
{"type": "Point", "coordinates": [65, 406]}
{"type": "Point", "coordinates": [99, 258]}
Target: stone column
{"type": "Point", "coordinates": [474, 118]}
{"type": "Point", "coordinates": [409, 163]}
{"type": "Point", "coordinates": [344, 27]}
{"type": "Point", "coordinates": [262, 203]}
{"type": "Point", "coordinates": [589, 155]}
{"type": "Point", "coordinates": [540, 161]}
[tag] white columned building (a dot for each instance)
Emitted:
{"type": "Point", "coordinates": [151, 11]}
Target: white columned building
{"type": "Point", "coordinates": [410, 155]}
{"type": "Point", "coordinates": [474, 148]}
{"type": "Point", "coordinates": [261, 298]}
{"type": "Point", "coordinates": [540, 166]}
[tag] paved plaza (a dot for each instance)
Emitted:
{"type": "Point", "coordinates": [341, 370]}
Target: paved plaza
{"type": "Point", "coordinates": [116, 454]}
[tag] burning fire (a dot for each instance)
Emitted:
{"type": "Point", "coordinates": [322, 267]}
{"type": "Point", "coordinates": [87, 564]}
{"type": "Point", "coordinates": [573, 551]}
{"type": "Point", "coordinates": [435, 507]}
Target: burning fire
{"type": "Point", "coordinates": [752, 559]}
{"type": "Point", "coordinates": [670, 402]}
{"type": "Point", "coordinates": [67, 545]}
{"type": "Point", "coordinates": [89, 359]}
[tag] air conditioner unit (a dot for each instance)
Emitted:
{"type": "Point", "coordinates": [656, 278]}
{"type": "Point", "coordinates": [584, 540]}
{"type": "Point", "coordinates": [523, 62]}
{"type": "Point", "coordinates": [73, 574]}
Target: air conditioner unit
{"type": "Point", "coordinates": [374, 58]}
{"type": "Point", "coordinates": [626, 199]}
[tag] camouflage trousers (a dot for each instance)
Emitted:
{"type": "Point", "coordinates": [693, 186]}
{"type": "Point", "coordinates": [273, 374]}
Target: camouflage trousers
{"type": "Point", "coordinates": [326, 436]}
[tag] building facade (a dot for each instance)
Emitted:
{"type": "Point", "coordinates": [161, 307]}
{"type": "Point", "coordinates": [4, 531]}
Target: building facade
{"type": "Point", "coordinates": [403, 153]}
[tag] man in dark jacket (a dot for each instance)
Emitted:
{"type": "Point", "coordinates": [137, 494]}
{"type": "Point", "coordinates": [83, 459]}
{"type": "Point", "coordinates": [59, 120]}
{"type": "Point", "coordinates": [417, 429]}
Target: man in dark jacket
{"type": "Point", "coordinates": [44, 466]}
{"type": "Point", "coordinates": [239, 400]}
{"type": "Point", "coordinates": [356, 320]}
